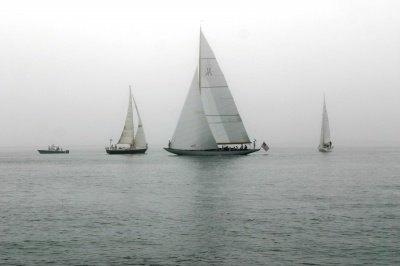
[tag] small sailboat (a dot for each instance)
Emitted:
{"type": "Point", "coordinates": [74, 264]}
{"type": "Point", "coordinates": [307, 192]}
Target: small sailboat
{"type": "Point", "coordinates": [210, 123]}
{"type": "Point", "coordinates": [325, 143]}
{"type": "Point", "coordinates": [137, 143]}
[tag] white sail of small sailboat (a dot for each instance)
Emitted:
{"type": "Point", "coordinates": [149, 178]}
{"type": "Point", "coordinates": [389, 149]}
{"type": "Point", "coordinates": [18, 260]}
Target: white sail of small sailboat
{"type": "Point", "coordinates": [137, 143]}
{"type": "Point", "coordinates": [210, 123]}
{"type": "Point", "coordinates": [325, 143]}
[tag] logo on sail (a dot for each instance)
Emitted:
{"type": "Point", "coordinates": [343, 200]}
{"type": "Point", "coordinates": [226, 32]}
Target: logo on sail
{"type": "Point", "coordinates": [208, 71]}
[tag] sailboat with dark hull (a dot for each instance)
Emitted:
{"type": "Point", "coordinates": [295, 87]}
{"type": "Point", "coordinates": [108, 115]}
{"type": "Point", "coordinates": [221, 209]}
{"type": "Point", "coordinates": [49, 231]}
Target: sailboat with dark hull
{"type": "Point", "coordinates": [130, 150]}
{"type": "Point", "coordinates": [210, 123]}
{"type": "Point", "coordinates": [137, 143]}
{"type": "Point", "coordinates": [325, 142]}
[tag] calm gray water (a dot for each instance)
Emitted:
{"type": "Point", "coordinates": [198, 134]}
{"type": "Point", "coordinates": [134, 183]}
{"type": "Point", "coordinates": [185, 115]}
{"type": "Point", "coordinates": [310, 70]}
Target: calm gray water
{"type": "Point", "coordinates": [289, 207]}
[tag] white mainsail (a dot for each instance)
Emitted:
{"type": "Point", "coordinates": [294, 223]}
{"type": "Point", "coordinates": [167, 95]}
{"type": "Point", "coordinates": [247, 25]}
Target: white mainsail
{"type": "Point", "coordinates": [128, 134]}
{"type": "Point", "coordinates": [325, 131]}
{"type": "Point", "coordinates": [140, 139]}
{"type": "Point", "coordinates": [219, 107]}
{"type": "Point", "coordinates": [192, 131]}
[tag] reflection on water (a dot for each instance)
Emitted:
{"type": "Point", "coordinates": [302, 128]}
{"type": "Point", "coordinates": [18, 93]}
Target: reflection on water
{"type": "Point", "coordinates": [210, 205]}
{"type": "Point", "coordinates": [292, 206]}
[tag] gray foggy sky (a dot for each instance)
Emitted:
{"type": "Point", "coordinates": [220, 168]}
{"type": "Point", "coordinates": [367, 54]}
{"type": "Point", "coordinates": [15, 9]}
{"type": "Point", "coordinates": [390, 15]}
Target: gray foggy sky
{"type": "Point", "coordinates": [65, 68]}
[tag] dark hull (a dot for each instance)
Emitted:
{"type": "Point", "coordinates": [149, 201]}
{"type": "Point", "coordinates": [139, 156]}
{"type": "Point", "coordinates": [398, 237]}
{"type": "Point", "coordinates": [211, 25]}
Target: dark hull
{"type": "Point", "coordinates": [325, 149]}
{"type": "Point", "coordinates": [52, 152]}
{"type": "Point", "coordinates": [126, 151]}
{"type": "Point", "coordinates": [210, 152]}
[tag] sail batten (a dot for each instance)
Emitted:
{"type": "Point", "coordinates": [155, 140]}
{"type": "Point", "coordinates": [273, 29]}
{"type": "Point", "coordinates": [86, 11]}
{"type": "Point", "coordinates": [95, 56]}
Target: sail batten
{"type": "Point", "coordinates": [203, 87]}
{"type": "Point", "coordinates": [221, 115]}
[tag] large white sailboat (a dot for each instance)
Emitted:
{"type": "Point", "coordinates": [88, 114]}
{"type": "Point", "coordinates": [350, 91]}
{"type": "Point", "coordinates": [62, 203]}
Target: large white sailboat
{"type": "Point", "coordinates": [325, 143]}
{"type": "Point", "coordinates": [136, 143]}
{"type": "Point", "coordinates": [210, 123]}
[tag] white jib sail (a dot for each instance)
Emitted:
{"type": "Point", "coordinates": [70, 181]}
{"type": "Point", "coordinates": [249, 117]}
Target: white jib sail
{"type": "Point", "coordinates": [325, 131]}
{"type": "Point", "coordinates": [220, 108]}
{"type": "Point", "coordinates": [192, 131]}
{"type": "Point", "coordinates": [128, 134]}
{"type": "Point", "coordinates": [140, 139]}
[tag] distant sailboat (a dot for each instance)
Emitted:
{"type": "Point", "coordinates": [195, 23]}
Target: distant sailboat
{"type": "Point", "coordinates": [325, 143]}
{"type": "Point", "coordinates": [137, 143]}
{"type": "Point", "coordinates": [210, 123]}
